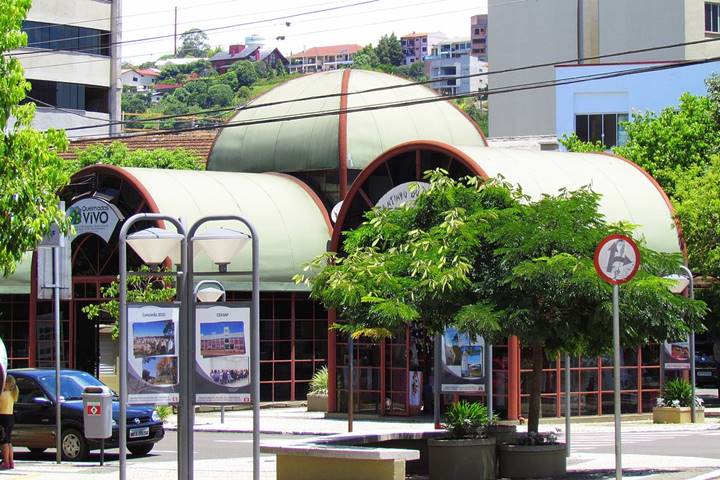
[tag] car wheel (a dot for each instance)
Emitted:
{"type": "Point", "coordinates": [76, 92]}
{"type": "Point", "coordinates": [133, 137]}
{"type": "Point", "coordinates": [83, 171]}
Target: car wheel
{"type": "Point", "coordinates": [141, 450]}
{"type": "Point", "coordinates": [74, 445]}
{"type": "Point", "coordinates": [37, 450]}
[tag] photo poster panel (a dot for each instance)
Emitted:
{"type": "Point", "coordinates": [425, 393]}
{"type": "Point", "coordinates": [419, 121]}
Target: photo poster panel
{"type": "Point", "coordinates": [463, 368]}
{"type": "Point", "coordinates": [153, 353]}
{"type": "Point", "coordinates": [222, 353]}
{"type": "Point", "coordinates": [676, 355]}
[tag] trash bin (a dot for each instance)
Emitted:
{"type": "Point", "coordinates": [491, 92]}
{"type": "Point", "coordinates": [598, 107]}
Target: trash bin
{"type": "Point", "coordinates": [97, 412]}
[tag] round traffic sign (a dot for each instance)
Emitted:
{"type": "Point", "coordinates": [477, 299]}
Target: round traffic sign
{"type": "Point", "coordinates": [617, 259]}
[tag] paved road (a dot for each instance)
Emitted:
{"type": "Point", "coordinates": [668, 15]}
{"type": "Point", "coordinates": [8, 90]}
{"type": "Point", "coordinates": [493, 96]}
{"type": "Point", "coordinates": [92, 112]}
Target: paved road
{"type": "Point", "coordinates": [208, 446]}
{"type": "Point", "coordinates": [704, 444]}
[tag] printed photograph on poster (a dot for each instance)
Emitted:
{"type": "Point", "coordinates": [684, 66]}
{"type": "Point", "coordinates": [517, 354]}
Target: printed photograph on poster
{"type": "Point", "coordinates": [219, 339]}
{"type": "Point", "coordinates": [154, 338]}
{"type": "Point", "coordinates": [677, 355]}
{"type": "Point", "coordinates": [230, 371]}
{"type": "Point", "coordinates": [222, 358]}
{"type": "Point", "coordinates": [159, 370]}
{"type": "Point", "coordinates": [153, 365]}
{"type": "Point", "coordinates": [462, 359]}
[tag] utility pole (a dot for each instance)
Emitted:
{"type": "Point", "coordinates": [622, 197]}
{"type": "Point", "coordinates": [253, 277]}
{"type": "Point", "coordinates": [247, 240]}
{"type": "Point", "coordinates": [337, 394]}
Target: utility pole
{"type": "Point", "coordinates": [115, 85]}
{"type": "Point", "coordinates": [175, 35]}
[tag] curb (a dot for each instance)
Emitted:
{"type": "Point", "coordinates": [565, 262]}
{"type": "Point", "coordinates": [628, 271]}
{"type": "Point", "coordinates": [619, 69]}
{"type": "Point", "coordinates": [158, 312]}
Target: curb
{"type": "Point", "coordinates": [173, 428]}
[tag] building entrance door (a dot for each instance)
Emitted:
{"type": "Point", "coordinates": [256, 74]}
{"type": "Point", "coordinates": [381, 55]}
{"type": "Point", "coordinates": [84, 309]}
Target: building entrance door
{"type": "Point", "coordinates": [85, 332]}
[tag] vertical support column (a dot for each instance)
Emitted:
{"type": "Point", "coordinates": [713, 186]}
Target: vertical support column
{"type": "Point", "coordinates": [513, 378]}
{"type": "Point", "coordinates": [255, 353]}
{"type": "Point", "coordinates": [115, 54]}
{"type": "Point", "coordinates": [568, 411]}
{"type": "Point", "coordinates": [489, 379]}
{"type": "Point", "coordinates": [616, 379]}
{"type": "Point", "coordinates": [58, 345]}
{"type": "Point", "coordinates": [332, 364]}
{"type": "Point", "coordinates": [437, 373]}
{"type": "Point", "coordinates": [351, 389]}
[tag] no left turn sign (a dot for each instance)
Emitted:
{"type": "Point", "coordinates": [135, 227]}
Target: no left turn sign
{"type": "Point", "coordinates": [617, 259]}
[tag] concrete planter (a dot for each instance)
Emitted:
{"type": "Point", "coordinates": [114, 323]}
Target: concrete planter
{"type": "Point", "coordinates": [317, 402]}
{"type": "Point", "coordinates": [677, 415]}
{"type": "Point", "coordinates": [532, 461]}
{"type": "Point", "coordinates": [502, 433]}
{"type": "Point", "coordinates": [452, 459]}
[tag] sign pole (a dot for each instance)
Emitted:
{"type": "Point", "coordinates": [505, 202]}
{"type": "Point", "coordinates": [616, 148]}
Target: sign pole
{"type": "Point", "coordinates": [56, 315]}
{"type": "Point", "coordinates": [616, 377]}
{"type": "Point", "coordinates": [568, 413]}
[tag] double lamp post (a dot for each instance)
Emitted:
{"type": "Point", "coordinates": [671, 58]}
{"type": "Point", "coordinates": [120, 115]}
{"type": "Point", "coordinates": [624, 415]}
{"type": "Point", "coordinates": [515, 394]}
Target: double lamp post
{"type": "Point", "coordinates": [154, 245]}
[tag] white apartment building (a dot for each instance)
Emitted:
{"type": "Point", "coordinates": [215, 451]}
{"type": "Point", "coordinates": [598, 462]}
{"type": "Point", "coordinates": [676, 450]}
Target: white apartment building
{"type": "Point", "coordinates": [451, 59]}
{"type": "Point", "coordinates": [322, 59]}
{"type": "Point", "coordinates": [560, 31]}
{"type": "Point", "coordinates": [417, 46]}
{"type": "Point", "coordinates": [68, 63]}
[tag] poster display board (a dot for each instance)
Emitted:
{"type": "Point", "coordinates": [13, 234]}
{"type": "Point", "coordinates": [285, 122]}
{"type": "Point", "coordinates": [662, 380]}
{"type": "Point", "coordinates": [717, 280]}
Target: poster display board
{"type": "Point", "coordinates": [676, 356]}
{"type": "Point", "coordinates": [222, 353]}
{"type": "Point", "coordinates": [462, 362]}
{"type": "Point", "coordinates": [153, 353]}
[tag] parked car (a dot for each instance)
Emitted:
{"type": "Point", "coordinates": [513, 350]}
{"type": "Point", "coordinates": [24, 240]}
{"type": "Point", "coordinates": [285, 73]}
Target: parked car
{"type": "Point", "coordinates": [35, 415]}
{"type": "Point", "coordinates": [706, 374]}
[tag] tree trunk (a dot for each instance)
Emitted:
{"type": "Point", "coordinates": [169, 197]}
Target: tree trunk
{"type": "Point", "coordinates": [535, 385]}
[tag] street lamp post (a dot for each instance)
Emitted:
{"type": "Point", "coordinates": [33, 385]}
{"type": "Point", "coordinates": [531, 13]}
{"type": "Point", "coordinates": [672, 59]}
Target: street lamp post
{"type": "Point", "coordinates": [221, 245]}
{"type": "Point", "coordinates": [689, 275]}
{"type": "Point", "coordinates": [153, 245]}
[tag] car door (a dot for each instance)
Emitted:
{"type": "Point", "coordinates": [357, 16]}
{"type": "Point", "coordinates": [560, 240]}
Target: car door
{"type": "Point", "coordinates": [34, 416]}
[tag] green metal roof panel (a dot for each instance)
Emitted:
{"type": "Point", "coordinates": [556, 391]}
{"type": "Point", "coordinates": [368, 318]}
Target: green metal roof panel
{"type": "Point", "coordinates": [290, 224]}
{"type": "Point", "coordinates": [373, 132]}
{"type": "Point", "coordinates": [628, 193]}
{"type": "Point", "coordinates": [312, 144]}
{"type": "Point", "coordinates": [307, 144]}
{"type": "Point", "coordinates": [18, 282]}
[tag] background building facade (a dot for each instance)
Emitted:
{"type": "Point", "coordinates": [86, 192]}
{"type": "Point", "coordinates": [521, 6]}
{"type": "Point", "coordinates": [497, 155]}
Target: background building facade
{"type": "Point", "coordinates": [478, 36]}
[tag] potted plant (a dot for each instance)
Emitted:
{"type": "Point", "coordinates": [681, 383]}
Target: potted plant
{"type": "Point", "coordinates": [466, 452]}
{"type": "Point", "coordinates": [317, 397]}
{"type": "Point", "coordinates": [532, 455]}
{"type": "Point", "coordinates": [674, 404]}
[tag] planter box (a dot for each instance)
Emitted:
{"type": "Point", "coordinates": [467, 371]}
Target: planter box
{"type": "Point", "coordinates": [502, 433]}
{"type": "Point", "coordinates": [677, 415]}
{"type": "Point", "coordinates": [462, 459]}
{"type": "Point", "coordinates": [530, 461]}
{"type": "Point", "coordinates": [317, 402]}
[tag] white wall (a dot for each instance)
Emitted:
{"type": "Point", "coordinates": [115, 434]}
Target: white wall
{"type": "Point", "coordinates": [643, 92]}
{"type": "Point", "coordinates": [71, 67]}
{"type": "Point", "coordinates": [46, 117]}
{"type": "Point", "coordinates": [72, 11]}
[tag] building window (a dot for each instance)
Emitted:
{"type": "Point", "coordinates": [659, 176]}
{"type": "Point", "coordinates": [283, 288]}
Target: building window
{"type": "Point", "coordinates": [602, 127]}
{"type": "Point", "coordinates": [712, 17]}
{"type": "Point", "coordinates": [67, 37]}
{"type": "Point", "coordinates": [70, 95]}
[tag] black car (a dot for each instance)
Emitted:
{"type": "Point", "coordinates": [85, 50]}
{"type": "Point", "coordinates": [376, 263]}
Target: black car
{"type": "Point", "coordinates": [35, 415]}
{"type": "Point", "coordinates": [706, 374]}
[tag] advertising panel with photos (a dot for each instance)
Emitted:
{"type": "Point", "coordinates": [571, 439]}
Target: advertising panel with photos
{"type": "Point", "coordinates": [462, 362]}
{"type": "Point", "coordinates": [152, 353]}
{"type": "Point", "coordinates": [676, 355]}
{"type": "Point", "coordinates": [222, 353]}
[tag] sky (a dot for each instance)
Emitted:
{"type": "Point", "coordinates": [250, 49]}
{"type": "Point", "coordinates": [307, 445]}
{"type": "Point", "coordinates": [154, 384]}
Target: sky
{"type": "Point", "coordinates": [150, 329]}
{"type": "Point", "coordinates": [361, 22]}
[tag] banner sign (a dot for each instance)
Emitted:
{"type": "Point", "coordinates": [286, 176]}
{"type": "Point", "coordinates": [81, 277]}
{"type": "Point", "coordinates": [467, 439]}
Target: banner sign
{"type": "Point", "coordinates": [94, 215]}
{"type": "Point", "coordinates": [676, 356]}
{"type": "Point", "coordinates": [462, 362]}
{"type": "Point", "coordinates": [402, 194]}
{"type": "Point", "coordinates": [222, 353]}
{"type": "Point", "coordinates": [153, 353]}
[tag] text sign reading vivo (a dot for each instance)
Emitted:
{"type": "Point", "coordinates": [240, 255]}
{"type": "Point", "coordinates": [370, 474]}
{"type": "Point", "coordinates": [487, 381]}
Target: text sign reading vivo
{"type": "Point", "coordinates": [94, 215]}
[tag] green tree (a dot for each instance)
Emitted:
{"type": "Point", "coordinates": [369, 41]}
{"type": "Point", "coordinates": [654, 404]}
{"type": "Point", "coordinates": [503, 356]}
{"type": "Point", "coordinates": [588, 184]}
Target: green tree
{"type": "Point", "coordinates": [220, 95]}
{"type": "Point", "coordinates": [366, 58]}
{"type": "Point", "coordinates": [471, 107]}
{"type": "Point", "coordinates": [31, 172]}
{"type": "Point", "coordinates": [490, 261]}
{"type": "Point", "coordinates": [244, 72]}
{"type": "Point", "coordinates": [193, 43]}
{"type": "Point", "coordinates": [117, 153]}
{"type": "Point", "coordinates": [572, 143]}
{"type": "Point", "coordinates": [389, 50]}
{"type": "Point", "coordinates": [414, 71]}
{"type": "Point", "coordinates": [135, 102]}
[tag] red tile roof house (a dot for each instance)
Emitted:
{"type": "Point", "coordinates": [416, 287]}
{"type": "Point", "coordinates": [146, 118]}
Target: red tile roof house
{"type": "Point", "coordinates": [321, 59]}
{"type": "Point", "coordinates": [221, 61]}
{"type": "Point", "coordinates": [140, 78]}
{"type": "Point", "coordinates": [162, 89]}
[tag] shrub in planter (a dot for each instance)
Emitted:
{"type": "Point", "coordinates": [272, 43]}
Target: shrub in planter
{"type": "Point", "coordinates": [466, 452]}
{"type": "Point", "coordinates": [532, 455]}
{"type": "Point", "coordinates": [317, 398]}
{"type": "Point", "coordinates": [673, 406]}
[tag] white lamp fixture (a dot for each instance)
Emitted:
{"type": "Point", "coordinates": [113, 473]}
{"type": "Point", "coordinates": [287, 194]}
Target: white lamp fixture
{"type": "Point", "coordinates": [154, 244]}
{"type": "Point", "coordinates": [680, 283]}
{"type": "Point", "coordinates": [209, 294]}
{"type": "Point", "coordinates": [221, 245]}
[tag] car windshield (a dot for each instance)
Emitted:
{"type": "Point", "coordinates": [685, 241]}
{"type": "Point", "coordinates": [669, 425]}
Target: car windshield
{"type": "Point", "coordinates": [72, 384]}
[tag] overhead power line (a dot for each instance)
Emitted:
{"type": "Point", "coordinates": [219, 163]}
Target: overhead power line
{"type": "Point", "coordinates": [432, 99]}
{"type": "Point", "coordinates": [212, 29]}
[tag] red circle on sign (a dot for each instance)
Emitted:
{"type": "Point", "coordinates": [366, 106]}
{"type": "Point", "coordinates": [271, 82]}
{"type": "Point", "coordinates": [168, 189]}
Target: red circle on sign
{"type": "Point", "coordinates": [603, 273]}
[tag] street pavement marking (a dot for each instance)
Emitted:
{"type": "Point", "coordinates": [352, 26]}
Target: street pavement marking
{"type": "Point", "coordinates": [582, 441]}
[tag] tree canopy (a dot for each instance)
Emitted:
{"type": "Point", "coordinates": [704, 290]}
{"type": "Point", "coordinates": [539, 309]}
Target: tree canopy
{"type": "Point", "coordinates": [117, 153]}
{"type": "Point", "coordinates": [490, 261]}
{"type": "Point", "coordinates": [31, 170]}
{"type": "Point", "coordinates": [389, 50]}
{"type": "Point", "coordinates": [193, 43]}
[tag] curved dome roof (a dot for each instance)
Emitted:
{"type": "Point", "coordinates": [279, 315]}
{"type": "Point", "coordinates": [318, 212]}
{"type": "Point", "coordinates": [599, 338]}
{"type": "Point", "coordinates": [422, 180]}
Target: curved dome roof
{"type": "Point", "coordinates": [318, 143]}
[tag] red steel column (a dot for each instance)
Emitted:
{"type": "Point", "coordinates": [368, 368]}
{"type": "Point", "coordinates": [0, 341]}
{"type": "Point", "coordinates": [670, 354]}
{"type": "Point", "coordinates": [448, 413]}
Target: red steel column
{"type": "Point", "coordinates": [513, 378]}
